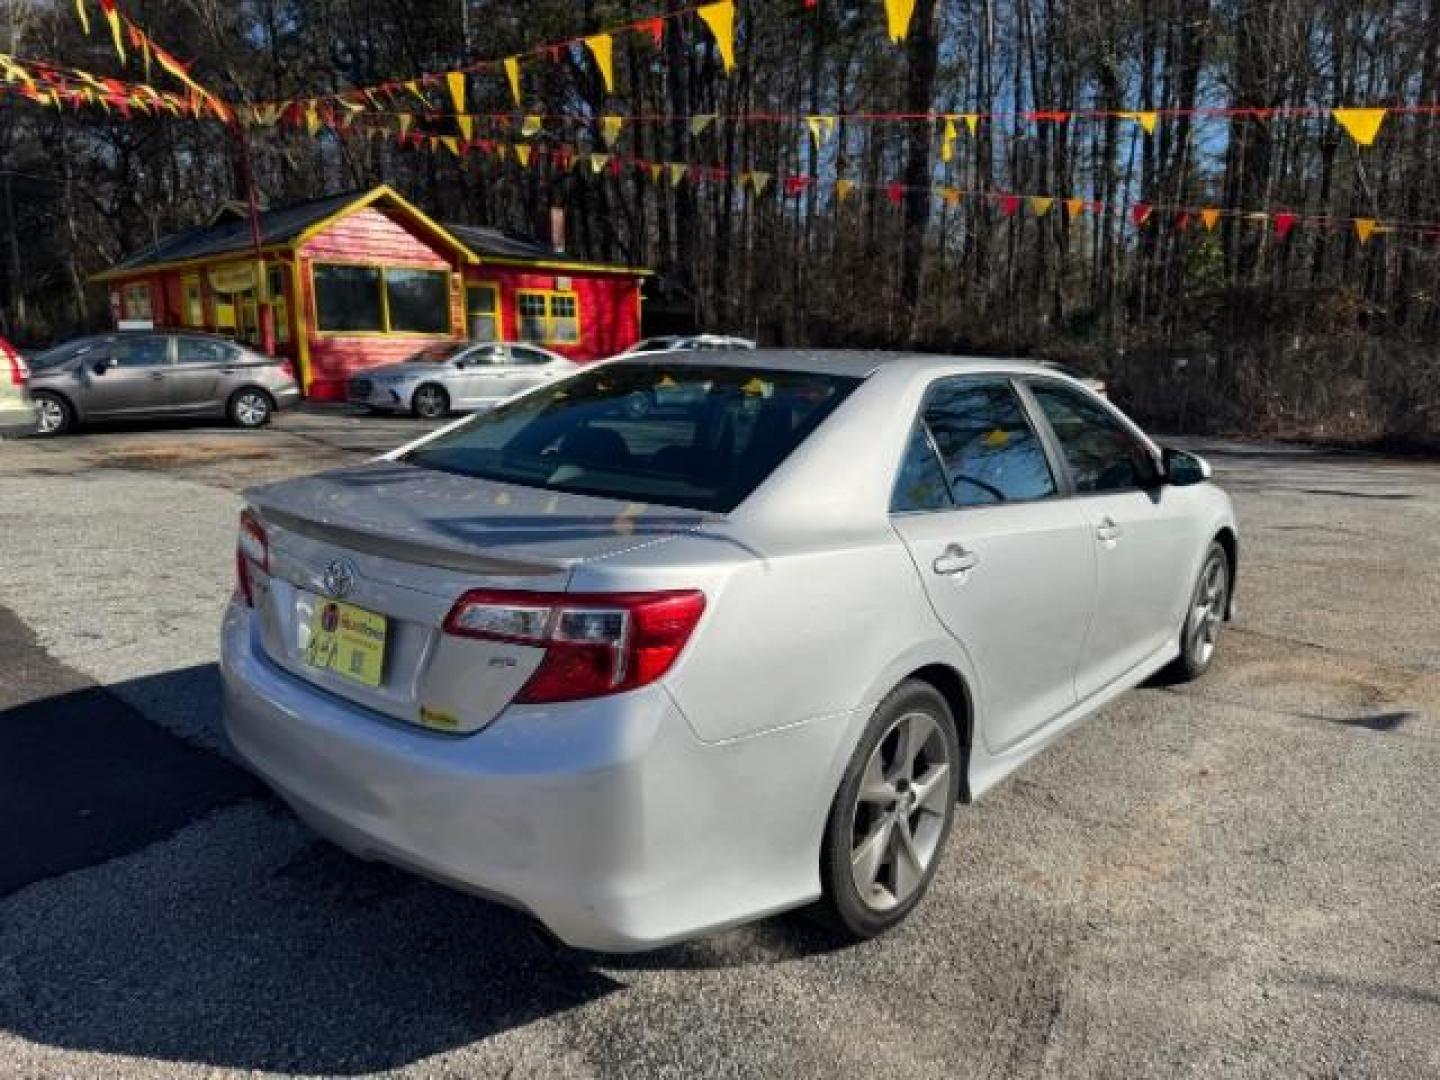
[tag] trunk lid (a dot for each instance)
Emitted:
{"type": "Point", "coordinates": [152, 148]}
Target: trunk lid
{"type": "Point", "coordinates": [403, 543]}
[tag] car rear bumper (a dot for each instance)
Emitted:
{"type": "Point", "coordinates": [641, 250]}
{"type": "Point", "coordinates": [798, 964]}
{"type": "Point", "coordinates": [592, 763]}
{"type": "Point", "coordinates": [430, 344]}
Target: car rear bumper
{"type": "Point", "coordinates": [607, 820]}
{"type": "Point", "coordinates": [287, 398]}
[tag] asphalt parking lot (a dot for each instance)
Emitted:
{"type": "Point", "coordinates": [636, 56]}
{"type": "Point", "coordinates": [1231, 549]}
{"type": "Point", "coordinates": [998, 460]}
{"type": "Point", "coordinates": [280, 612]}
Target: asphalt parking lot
{"type": "Point", "coordinates": [1237, 878]}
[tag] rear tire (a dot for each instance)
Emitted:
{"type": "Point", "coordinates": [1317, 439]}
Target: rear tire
{"type": "Point", "coordinates": [892, 815]}
{"type": "Point", "coordinates": [430, 402]}
{"type": "Point", "coordinates": [250, 408]}
{"type": "Point", "coordinates": [1209, 603]}
{"type": "Point", "coordinates": [53, 414]}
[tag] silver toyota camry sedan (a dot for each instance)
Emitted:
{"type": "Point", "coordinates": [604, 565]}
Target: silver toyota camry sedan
{"type": "Point", "coordinates": [456, 376]}
{"type": "Point", "coordinates": [646, 677]}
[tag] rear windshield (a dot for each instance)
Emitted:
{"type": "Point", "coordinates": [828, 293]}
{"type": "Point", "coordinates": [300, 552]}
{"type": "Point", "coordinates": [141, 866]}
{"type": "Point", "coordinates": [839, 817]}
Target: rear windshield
{"type": "Point", "coordinates": [693, 436]}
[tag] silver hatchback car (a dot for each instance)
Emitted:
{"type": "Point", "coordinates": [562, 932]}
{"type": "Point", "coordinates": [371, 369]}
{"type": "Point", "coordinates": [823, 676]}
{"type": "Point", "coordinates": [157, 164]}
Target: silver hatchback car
{"type": "Point", "coordinates": [155, 375]}
{"type": "Point", "coordinates": [457, 376]}
{"type": "Point", "coordinates": [645, 677]}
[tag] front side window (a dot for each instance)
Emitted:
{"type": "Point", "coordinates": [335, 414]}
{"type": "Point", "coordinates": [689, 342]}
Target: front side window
{"type": "Point", "coordinates": [142, 350]}
{"type": "Point", "coordinates": [725, 430]}
{"type": "Point", "coordinates": [347, 298]}
{"type": "Point", "coordinates": [987, 447]}
{"type": "Point", "coordinates": [1103, 455]}
{"type": "Point", "coordinates": [548, 317]}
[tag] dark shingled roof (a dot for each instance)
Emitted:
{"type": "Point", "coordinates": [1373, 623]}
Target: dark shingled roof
{"type": "Point", "coordinates": [503, 245]}
{"type": "Point", "coordinates": [230, 235]}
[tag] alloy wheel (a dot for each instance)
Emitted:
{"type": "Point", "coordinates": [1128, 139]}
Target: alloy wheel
{"type": "Point", "coordinates": [251, 409]}
{"type": "Point", "coordinates": [1208, 610]}
{"type": "Point", "coordinates": [900, 811]}
{"type": "Point", "coordinates": [50, 415]}
{"type": "Point", "coordinates": [430, 402]}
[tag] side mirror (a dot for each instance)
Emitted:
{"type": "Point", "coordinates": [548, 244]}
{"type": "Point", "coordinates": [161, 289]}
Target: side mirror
{"type": "Point", "coordinates": [1182, 469]}
{"type": "Point", "coordinates": [100, 365]}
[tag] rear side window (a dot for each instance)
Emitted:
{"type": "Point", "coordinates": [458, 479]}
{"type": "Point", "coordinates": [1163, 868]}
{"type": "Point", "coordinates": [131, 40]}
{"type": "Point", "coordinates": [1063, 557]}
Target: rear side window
{"type": "Point", "coordinates": [988, 450]}
{"type": "Point", "coordinates": [691, 436]}
{"type": "Point", "coordinates": [200, 351]}
{"type": "Point", "coordinates": [1103, 454]}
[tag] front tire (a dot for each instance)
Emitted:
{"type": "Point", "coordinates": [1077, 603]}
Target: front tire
{"type": "Point", "coordinates": [891, 817]}
{"type": "Point", "coordinates": [1209, 602]}
{"type": "Point", "coordinates": [430, 402]}
{"type": "Point", "coordinates": [250, 408]}
{"type": "Point", "coordinates": [53, 414]}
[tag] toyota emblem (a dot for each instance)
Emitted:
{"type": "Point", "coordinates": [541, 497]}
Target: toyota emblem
{"type": "Point", "coordinates": [339, 578]}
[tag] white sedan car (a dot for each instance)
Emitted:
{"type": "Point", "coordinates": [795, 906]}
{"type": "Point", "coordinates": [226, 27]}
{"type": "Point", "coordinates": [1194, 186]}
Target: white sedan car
{"type": "Point", "coordinates": [456, 376]}
{"type": "Point", "coordinates": [646, 677]}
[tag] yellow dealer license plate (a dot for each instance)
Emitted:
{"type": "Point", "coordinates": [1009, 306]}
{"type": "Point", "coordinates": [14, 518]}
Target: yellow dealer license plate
{"type": "Point", "coordinates": [348, 640]}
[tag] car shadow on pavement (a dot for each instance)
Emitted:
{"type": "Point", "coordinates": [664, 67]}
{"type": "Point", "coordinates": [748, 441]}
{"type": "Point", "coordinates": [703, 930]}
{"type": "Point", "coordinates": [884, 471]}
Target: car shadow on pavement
{"type": "Point", "coordinates": [228, 935]}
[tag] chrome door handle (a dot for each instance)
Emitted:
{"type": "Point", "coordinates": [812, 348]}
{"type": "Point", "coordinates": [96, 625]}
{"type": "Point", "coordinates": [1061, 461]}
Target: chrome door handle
{"type": "Point", "coordinates": [1108, 532]}
{"type": "Point", "coordinates": [955, 560]}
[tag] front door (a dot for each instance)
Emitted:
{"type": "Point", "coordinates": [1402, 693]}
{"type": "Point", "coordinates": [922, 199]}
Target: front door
{"type": "Point", "coordinates": [1006, 560]}
{"type": "Point", "coordinates": [1138, 533]}
{"type": "Point", "coordinates": [131, 377]}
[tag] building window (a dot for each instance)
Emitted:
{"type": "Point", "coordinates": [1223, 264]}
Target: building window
{"type": "Point", "coordinates": [418, 301]}
{"type": "Point", "coordinates": [370, 299]}
{"type": "Point", "coordinates": [137, 302]}
{"type": "Point", "coordinates": [551, 318]}
{"type": "Point", "coordinates": [482, 312]}
{"type": "Point", "coordinates": [194, 308]}
{"type": "Point", "coordinates": [347, 298]}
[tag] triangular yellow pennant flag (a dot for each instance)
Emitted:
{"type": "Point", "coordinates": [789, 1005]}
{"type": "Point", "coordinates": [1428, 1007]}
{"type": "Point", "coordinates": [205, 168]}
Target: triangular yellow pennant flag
{"type": "Point", "coordinates": [1145, 119]}
{"type": "Point", "coordinates": [699, 122]}
{"type": "Point", "coordinates": [434, 143]}
{"type": "Point", "coordinates": [820, 129]}
{"type": "Point", "coordinates": [112, 16]}
{"type": "Point", "coordinates": [951, 195]}
{"type": "Point", "coordinates": [512, 72]}
{"type": "Point", "coordinates": [452, 144]}
{"type": "Point", "coordinates": [404, 120]}
{"type": "Point", "coordinates": [610, 128]}
{"type": "Point", "coordinates": [522, 155]}
{"type": "Point", "coordinates": [530, 126]}
{"type": "Point", "coordinates": [1074, 207]}
{"type": "Point", "coordinates": [414, 87]}
{"type": "Point", "coordinates": [455, 80]}
{"type": "Point", "coordinates": [1363, 228]}
{"type": "Point", "coordinates": [500, 151]}
{"type": "Point", "coordinates": [601, 47]}
{"type": "Point", "coordinates": [84, 15]}
{"type": "Point", "coordinates": [972, 121]}
{"type": "Point", "coordinates": [1361, 124]}
{"type": "Point", "coordinates": [947, 140]}
{"type": "Point", "coordinates": [759, 181]}
{"type": "Point", "coordinates": [720, 18]}
{"type": "Point", "coordinates": [312, 120]}
{"type": "Point", "coordinates": [897, 16]}
{"type": "Point", "coordinates": [1040, 204]}
{"type": "Point", "coordinates": [677, 173]}
{"type": "Point", "coordinates": [598, 162]}
{"type": "Point", "coordinates": [843, 189]}
{"type": "Point", "coordinates": [466, 124]}
{"type": "Point", "coordinates": [1210, 218]}
{"type": "Point", "coordinates": [656, 171]}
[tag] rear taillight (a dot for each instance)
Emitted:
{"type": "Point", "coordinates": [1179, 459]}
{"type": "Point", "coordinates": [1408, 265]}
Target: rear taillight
{"type": "Point", "coordinates": [287, 369]}
{"type": "Point", "coordinates": [595, 643]}
{"type": "Point", "coordinates": [19, 370]}
{"type": "Point", "coordinates": [252, 547]}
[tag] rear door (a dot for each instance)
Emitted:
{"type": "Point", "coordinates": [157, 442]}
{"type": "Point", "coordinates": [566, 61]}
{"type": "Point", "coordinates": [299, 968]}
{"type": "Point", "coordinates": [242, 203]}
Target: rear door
{"type": "Point", "coordinates": [1139, 532]}
{"type": "Point", "coordinates": [203, 368]}
{"type": "Point", "coordinates": [529, 367]}
{"type": "Point", "coordinates": [1005, 557]}
{"type": "Point", "coordinates": [134, 379]}
{"type": "Point", "coordinates": [476, 376]}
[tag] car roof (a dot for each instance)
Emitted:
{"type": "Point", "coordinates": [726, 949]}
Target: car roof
{"type": "Point", "coordinates": [851, 363]}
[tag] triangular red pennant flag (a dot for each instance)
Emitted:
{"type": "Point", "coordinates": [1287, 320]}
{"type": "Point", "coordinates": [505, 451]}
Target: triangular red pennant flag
{"type": "Point", "coordinates": [1183, 221]}
{"type": "Point", "coordinates": [1284, 222]}
{"type": "Point", "coordinates": [895, 192]}
{"type": "Point", "coordinates": [1009, 204]}
{"type": "Point", "coordinates": [1140, 213]}
{"type": "Point", "coordinates": [656, 29]}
